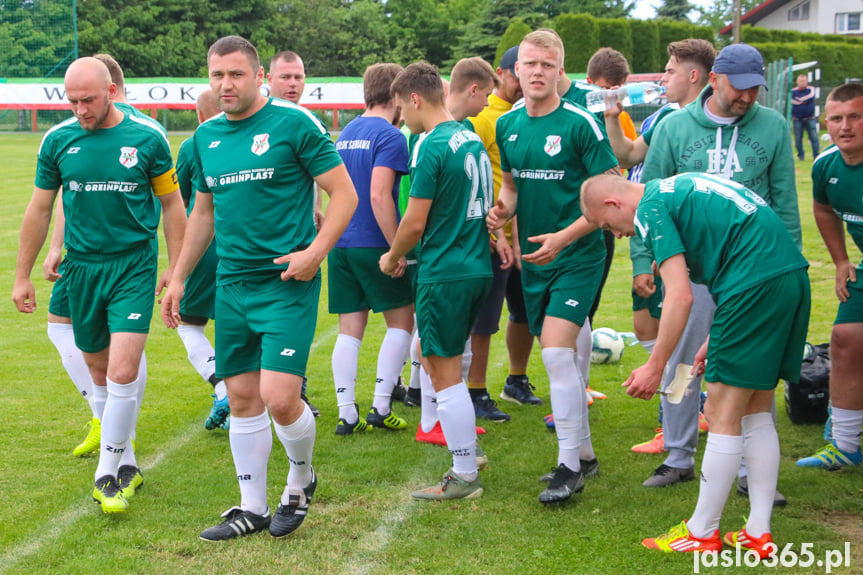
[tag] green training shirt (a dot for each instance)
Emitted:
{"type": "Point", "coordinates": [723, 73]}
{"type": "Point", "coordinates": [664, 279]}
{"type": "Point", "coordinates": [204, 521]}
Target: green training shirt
{"type": "Point", "coordinates": [109, 178]}
{"type": "Point", "coordinates": [729, 236]}
{"type": "Point", "coordinates": [260, 171]}
{"type": "Point", "coordinates": [840, 186]}
{"type": "Point", "coordinates": [450, 167]}
{"type": "Point", "coordinates": [549, 158]}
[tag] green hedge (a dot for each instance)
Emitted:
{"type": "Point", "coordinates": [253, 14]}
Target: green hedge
{"type": "Point", "coordinates": [616, 33]}
{"type": "Point", "coordinates": [650, 56]}
{"type": "Point", "coordinates": [671, 31]}
{"type": "Point", "coordinates": [580, 35]}
{"type": "Point", "coordinates": [513, 36]}
{"type": "Point", "coordinates": [837, 61]}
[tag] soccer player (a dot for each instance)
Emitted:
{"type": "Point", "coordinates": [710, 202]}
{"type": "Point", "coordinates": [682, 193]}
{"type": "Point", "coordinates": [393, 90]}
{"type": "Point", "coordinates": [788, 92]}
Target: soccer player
{"type": "Point", "coordinates": [254, 175]}
{"type": "Point", "coordinates": [450, 192]}
{"type": "Point", "coordinates": [744, 254]}
{"type": "Point", "coordinates": [111, 166]}
{"type": "Point", "coordinates": [803, 116]}
{"type": "Point", "coordinates": [547, 148]}
{"type": "Point", "coordinates": [376, 155]}
{"type": "Point", "coordinates": [199, 299]}
{"type": "Point", "coordinates": [287, 80]}
{"type": "Point", "coordinates": [726, 132]}
{"type": "Point", "coordinates": [686, 75]}
{"type": "Point", "coordinates": [837, 184]}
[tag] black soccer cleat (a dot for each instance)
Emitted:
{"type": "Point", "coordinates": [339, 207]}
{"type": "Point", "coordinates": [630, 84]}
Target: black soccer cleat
{"type": "Point", "coordinates": [288, 518]}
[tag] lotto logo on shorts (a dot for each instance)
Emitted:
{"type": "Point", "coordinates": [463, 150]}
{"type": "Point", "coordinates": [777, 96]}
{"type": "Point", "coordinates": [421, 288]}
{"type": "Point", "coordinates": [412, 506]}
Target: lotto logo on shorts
{"type": "Point", "coordinates": [134, 316]}
{"type": "Point", "coordinates": [288, 352]}
{"type": "Point", "coordinates": [572, 303]}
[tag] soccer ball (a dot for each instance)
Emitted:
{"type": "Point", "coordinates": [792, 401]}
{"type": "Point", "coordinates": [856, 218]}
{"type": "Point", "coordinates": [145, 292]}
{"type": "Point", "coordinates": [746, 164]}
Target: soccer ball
{"type": "Point", "coordinates": [825, 138]}
{"type": "Point", "coordinates": [607, 346]}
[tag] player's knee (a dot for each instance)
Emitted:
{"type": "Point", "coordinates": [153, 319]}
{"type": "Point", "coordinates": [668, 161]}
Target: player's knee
{"type": "Point", "coordinates": [846, 343]}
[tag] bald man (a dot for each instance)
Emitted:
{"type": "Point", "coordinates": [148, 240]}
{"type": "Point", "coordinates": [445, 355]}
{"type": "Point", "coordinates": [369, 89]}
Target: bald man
{"type": "Point", "coordinates": [110, 181]}
{"type": "Point", "coordinates": [198, 305]}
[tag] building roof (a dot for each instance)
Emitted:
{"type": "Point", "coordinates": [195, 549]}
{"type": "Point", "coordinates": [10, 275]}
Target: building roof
{"type": "Point", "coordinates": [752, 16]}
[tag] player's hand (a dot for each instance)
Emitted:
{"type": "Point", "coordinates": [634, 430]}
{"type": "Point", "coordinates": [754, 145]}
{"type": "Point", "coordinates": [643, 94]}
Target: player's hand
{"type": "Point", "coordinates": [516, 255]}
{"type": "Point", "coordinates": [388, 264]}
{"type": "Point", "coordinates": [504, 251]}
{"type": "Point", "coordinates": [164, 279]}
{"type": "Point", "coordinates": [700, 362]}
{"type": "Point", "coordinates": [401, 267]}
{"type": "Point", "coordinates": [497, 216]}
{"type": "Point", "coordinates": [319, 218]}
{"type": "Point", "coordinates": [302, 265]}
{"type": "Point", "coordinates": [24, 296]}
{"type": "Point", "coordinates": [614, 111]}
{"type": "Point", "coordinates": [170, 304]}
{"type": "Point", "coordinates": [50, 265]}
{"type": "Point", "coordinates": [644, 285]}
{"type": "Point", "coordinates": [643, 382]}
{"type": "Point", "coordinates": [551, 246]}
{"type": "Point", "coordinates": [845, 273]}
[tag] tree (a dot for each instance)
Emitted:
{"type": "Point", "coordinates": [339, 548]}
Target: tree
{"type": "Point", "coordinates": [675, 10]}
{"type": "Point", "coordinates": [36, 38]}
{"type": "Point", "coordinates": [721, 12]}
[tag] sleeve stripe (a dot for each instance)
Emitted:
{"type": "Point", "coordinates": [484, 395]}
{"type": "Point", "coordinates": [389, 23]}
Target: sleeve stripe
{"type": "Point", "coordinates": [587, 116]}
{"type": "Point", "coordinates": [150, 124]}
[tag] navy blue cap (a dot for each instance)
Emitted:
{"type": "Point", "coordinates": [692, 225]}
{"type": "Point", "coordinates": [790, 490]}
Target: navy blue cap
{"type": "Point", "coordinates": [508, 60]}
{"type": "Point", "coordinates": [743, 65]}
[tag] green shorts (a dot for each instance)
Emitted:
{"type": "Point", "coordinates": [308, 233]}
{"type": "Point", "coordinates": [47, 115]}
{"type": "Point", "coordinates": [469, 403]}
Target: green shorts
{"type": "Point", "coordinates": [850, 311]}
{"type": "Point", "coordinates": [110, 294]}
{"type": "Point", "coordinates": [566, 292]}
{"type": "Point", "coordinates": [757, 336]}
{"type": "Point", "coordinates": [652, 304]}
{"type": "Point", "coordinates": [446, 312]}
{"type": "Point", "coordinates": [199, 299]}
{"type": "Point", "coordinates": [355, 282]}
{"type": "Point", "coordinates": [59, 303]}
{"type": "Point", "coordinates": [265, 323]}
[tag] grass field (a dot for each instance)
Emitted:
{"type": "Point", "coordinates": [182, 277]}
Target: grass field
{"type": "Point", "coordinates": [363, 519]}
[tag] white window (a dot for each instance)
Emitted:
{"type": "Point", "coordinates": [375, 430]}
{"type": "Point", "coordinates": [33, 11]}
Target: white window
{"type": "Point", "coordinates": [848, 23]}
{"type": "Point", "coordinates": [799, 12]}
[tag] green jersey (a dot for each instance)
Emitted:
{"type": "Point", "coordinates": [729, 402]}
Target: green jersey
{"type": "Point", "coordinates": [123, 106]}
{"type": "Point", "coordinates": [549, 158]}
{"type": "Point", "coordinates": [185, 162]}
{"type": "Point", "coordinates": [578, 95]}
{"type": "Point", "coordinates": [754, 151]}
{"type": "Point", "coordinates": [729, 236]}
{"type": "Point", "coordinates": [450, 167]}
{"type": "Point", "coordinates": [840, 186]}
{"type": "Point", "coordinates": [110, 178]}
{"type": "Point", "coordinates": [260, 171]}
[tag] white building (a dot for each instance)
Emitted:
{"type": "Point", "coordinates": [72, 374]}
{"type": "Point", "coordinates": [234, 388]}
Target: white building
{"type": "Point", "coordinates": [819, 16]}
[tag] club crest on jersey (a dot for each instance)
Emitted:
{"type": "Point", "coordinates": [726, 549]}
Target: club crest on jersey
{"type": "Point", "coordinates": [552, 145]}
{"type": "Point", "coordinates": [260, 144]}
{"type": "Point", "coordinates": [129, 157]}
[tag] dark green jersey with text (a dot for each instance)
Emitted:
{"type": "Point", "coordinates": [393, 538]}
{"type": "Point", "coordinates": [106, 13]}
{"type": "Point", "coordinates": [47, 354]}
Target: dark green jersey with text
{"type": "Point", "coordinates": [260, 171]}
{"type": "Point", "coordinates": [549, 158]}
{"type": "Point", "coordinates": [840, 186]}
{"type": "Point", "coordinates": [109, 178]}
{"type": "Point", "coordinates": [450, 167]}
{"type": "Point", "coordinates": [729, 236]}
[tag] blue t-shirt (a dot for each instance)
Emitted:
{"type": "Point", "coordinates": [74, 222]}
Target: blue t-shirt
{"type": "Point", "coordinates": [367, 143]}
{"type": "Point", "coordinates": [807, 108]}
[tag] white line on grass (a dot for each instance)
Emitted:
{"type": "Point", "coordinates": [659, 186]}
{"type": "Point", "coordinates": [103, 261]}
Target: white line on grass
{"type": "Point", "coordinates": [77, 511]}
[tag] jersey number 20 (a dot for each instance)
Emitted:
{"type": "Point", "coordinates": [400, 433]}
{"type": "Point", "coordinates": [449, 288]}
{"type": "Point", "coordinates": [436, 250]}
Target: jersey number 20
{"type": "Point", "coordinates": [481, 182]}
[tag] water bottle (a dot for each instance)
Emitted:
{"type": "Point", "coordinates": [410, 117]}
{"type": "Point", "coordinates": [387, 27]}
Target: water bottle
{"type": "Point", "coordinates": [629, 95]}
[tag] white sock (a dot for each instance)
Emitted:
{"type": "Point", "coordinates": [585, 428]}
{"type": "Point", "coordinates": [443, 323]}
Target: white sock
{"type": "Point", "coordinates": [466, 358]}
{"type": "Point", "coordinates": [761, 450]}
{"type": "Point", "coordinates": [583, 346]}
{"type": "Point", "coordinates": [390, 362]}
{"type": "Point", "coordinates": [100, 396]}
{"type": "Point", "coordinates": [415, 360]}
{"type": "Point", "coordinates": [200, 351]}
{"type": "Point", "coordinates": [567, 397]}
{"type": "Point", "coordinates": [428, 410]}
{"type": "Point", "coordinates": [220, 389]}
{"type": "Point", "coordinates": [298, 438]}
{"type": "Point", "coordinates": [458, 421]}
{"type": "Point", "coordinates": [128, 457]}
{"type": "Point", "coordinates": [117, 421]}
{"type": "Point", "coordinates": [346, 354]}
{"type": "Point", "coordinates": [846, 428]}
{"type": "Point", "coordinates": [63, 338]}
{"type": "Point", "coordinates": [648, 345]}
{"type": "Point", "coordinates": [251, 443]}
{"type": "Point", "coordinates": [718, 468]}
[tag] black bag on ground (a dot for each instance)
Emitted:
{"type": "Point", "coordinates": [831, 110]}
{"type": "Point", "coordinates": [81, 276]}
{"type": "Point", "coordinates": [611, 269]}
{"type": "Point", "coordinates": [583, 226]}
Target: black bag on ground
{"type": "Point", "coordinates": [806, 400]}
